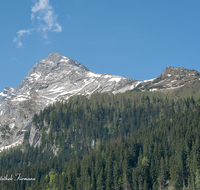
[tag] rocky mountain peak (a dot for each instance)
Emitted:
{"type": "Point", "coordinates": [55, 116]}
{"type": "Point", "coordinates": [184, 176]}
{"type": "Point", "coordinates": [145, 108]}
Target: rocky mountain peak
{"type": "Point", "coordinates": [54, 57]}
{"type": "Point", "coordinates": [52, 79]}
{"type": "Point", "coordinates": [178, 72]}
{"type": "Point", "coordinates": [171, 78]}
{"type": "Point", "coordinates": [52, 62]}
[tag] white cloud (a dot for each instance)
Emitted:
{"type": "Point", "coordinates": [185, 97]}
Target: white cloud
{"type": "Point", "coordinates": [41, 5]}
{"type": "Point", "coordinates": [58, 28]}
{"type": "Point", "coordinates": [21, 33]}
{"type": "Point", "coordinates": [42, 13]}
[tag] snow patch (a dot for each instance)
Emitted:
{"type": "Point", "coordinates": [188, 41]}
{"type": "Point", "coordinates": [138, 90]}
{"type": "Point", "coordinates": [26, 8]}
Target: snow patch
{"type": "Point", "coordinates": [137, 83]}
{"type": "Point", "coordinates": [55, 89]}
{"type": "Point", "coordinates": [12, 125]}
{"type": "Point", "coordinates": [36, 76]}
{"type": "Point", "coordinates": [159, 82]}
{"type": "Point", "coordinates": [65, 59]}
{"type": "Point", "coordinates": [134, 85]}
{"type": "Point", "coordinates": [115, 79]}
{"type": "Point", "coordinates": [73, 92]}
{"type": "Point", "coordinates": [173, 80]}
{"type": "Point", "coordinates": [46, 77]}
{"type": "Point", "coordinates": [169, 75]}
{"type": "Point", "coordinates": [176, 87]}
{"type": "Point", "coordinates": [2, 94]}
{"type": "Point", "coordinates": [107, 76]}
{"type": "Point", "coordinates": [149, 80]}
{"type": "Point", "coordinates": [91, 74]}
{"type": "Point", "coordinates": [20, 98]}
{"type": "Point", "coordinates": [88, 82]}
{"type": "Point", "coordinates": [51, 99]}
{"type": "Point", "coordinates": [70, 92]}
{"type": "Point", "coordinates": [94, 89]}
{"type": "Point", "coordinates": [153, 89]}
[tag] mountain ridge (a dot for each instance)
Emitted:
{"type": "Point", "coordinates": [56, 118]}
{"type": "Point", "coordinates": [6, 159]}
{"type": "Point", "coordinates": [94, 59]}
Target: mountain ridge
{"type": "Point", "coordinates": [57, 78]}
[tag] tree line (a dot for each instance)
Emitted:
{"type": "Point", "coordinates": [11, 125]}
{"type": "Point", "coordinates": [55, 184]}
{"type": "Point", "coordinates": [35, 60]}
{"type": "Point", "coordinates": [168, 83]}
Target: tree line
{"type": "Point", "coordinates": [132, 140]}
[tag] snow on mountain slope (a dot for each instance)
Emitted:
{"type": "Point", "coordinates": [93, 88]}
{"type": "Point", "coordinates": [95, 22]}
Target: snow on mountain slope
{"type": "Point", "coordinates": [6, 94]}
{"type": "Point", "coordinates": [52, 79]}
{"type": "Point", "coordinates": [59, 78]}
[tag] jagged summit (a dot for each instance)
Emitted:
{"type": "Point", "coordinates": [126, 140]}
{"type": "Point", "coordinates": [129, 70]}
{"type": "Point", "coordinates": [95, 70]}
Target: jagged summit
{"type": "Point", "coordinates": [178, 72]}
{"type": "Point", "coordinates": [53, 61]}
{"type": "Point", "coordinates": [54, 57]}
{"type": "Point", "coordinates": [57, 58]}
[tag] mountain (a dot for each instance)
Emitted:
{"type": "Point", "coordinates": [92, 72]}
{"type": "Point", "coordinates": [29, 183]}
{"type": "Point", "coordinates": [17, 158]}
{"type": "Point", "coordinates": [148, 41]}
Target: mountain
{"type": "Point", "coordinates": [57, 78]}
{"type": "Point", "coordinates": [52, 79]}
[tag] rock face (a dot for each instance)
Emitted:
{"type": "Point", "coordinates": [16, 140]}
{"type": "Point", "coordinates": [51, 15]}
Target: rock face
{"type": "Point", "coordinates": [54, 78]}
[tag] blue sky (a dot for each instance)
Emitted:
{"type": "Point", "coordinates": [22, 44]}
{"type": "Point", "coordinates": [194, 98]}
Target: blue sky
{"type": "Point", "coordinates": [131, 38]}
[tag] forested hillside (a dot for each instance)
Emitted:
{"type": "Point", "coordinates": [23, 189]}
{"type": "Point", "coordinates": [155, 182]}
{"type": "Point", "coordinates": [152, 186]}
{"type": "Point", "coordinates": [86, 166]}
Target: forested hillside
{"type": "Point", "coordinates": [132, 140]}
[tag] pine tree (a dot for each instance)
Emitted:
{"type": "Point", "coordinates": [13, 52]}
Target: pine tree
{"type": "Point", "coordinates": [100, 184]}
{"type": "Point", "coordinates": [197, 179]}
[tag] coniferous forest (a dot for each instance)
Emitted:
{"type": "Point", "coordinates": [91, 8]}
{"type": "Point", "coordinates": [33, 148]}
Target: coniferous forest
{"type": "Point", "coordinates": [126, 141]}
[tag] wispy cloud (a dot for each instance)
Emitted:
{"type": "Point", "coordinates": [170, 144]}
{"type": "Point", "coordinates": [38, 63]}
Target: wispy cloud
{"type": "Point", "coordinates": [21, 33]}
{"type": "Point", "coordinates": [43, 15]}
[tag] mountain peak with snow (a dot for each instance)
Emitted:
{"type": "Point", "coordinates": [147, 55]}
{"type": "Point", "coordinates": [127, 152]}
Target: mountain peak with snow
{"type": "Point", "coordinates": [52, 79]}
{"type": "Point", "coordinates": [53, 61]}
{"type": "Point", "coordinates": [58, 78]}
